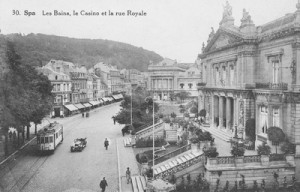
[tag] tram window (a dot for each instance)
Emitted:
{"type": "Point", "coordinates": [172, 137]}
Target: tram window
{"type": "Point", "coordinates": [51, 139]}
{"type": "Point", "coordinates": [42, 140]}
{"type": "Point", "coordinates": [38, 139]}
{"type": "Point", "coordinates": [56, 135]}
{"type": "Point", "coordinates": [46, 140]}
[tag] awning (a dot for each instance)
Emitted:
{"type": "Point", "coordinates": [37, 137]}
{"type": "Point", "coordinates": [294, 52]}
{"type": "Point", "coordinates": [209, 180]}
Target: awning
{"type": "Point", "coordinates": [79, 106]}
{"type": "Point", "coordinates": [105, 99]}
{"type": "Point", "coordinates": [110, 99]}
{"type": "Point", "coordinates": [71, 107]}
{"type": "Point", "coordinates": [100, 101]}
{"type": "Point", "coordinates": [115, 97]}
{"type": "Point", "coordinates": [121, 96]}
{"type": "Point", "coordinates": [87, 104]}
{"type": "Point", "coordinates": [94, 103]}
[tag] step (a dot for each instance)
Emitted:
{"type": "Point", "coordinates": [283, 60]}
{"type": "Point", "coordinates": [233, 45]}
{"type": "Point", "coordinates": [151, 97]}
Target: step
{"type": "Point", "coordinates": [134, 185]}
{"type": "Point", "coordinates": [139, 184]}
{"type": "Point", "coordinates": [218, 133]}
{"type": "Point", "coordinates": [143, 181]}
{"type": "Point", "coordinates": [127, 142]}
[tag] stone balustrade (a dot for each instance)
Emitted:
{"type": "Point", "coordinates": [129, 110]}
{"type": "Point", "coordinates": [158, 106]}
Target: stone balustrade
{"type": "Point", "coordinates": [273, 86]}
{"type": "Point", "coordinates": [230, 160]}
{"type": "Point", "coordinates": [143, 132]}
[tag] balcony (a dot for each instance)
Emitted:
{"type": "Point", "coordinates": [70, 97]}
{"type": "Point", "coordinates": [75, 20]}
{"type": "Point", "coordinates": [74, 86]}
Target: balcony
{"type": "Point", "coordinates": [272, 86]}
{"type": "Point", "coordinates": [201, 85]}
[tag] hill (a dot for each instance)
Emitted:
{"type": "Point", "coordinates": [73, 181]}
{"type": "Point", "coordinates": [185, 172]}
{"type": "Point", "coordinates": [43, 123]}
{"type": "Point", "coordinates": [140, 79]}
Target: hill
{"type": "Point", "coordinates": [39, 49]}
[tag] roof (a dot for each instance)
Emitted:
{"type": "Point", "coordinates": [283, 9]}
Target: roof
{"type": "Point", "coordinates": [279, 23]}
{"type": "Point", "coordinates": [50, 128]}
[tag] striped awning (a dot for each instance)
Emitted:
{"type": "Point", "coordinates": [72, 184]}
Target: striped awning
{"type": "Point", "coordinates": [71, 107]}
{"type": "Point", "coordinates": [87, 104]}
{"type": "Point", "coordinates": [79, 106]}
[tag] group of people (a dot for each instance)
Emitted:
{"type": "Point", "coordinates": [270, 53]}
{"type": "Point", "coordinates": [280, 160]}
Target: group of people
{"type": "Point", "coordinates": [103, 183]}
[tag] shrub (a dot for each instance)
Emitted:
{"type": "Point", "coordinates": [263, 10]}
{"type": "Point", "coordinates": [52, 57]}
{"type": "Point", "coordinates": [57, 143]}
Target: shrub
{"type": "Point", "coordinates": [237, 151]}
{"type": "Point", "coordinates": [276, 135]}
{"type": "Point", "coordinates": [205, 136]}
{"type": "Point", "coordinates": [202, 113]}
{"type": "Point", "coordinates": [192, 128]}
{"type": "Point", "coordinates": [143, 159]}
{"type": "Point", "coordinates": [194, 140]}
{"type": "Point", "coordinates": [211, 152]}
{"type": "Point", "coordinates": [173, 115]}
{"type": "Point", "coordinates": [288, 148]}
{"type": "Point", "coordinates": [186, 115]}
{"type": "Point", "coordinates": [181, 106]}
{"type": "Point", "coordinates": [182, 110]}
{"type": "Point", "coordinates": [194, 109]}
{"type": "Point", "coordinates": [264, 149]}
{"type": "Point", "coordinates": [167, 120]}
{"type": "Point", "coordinates": [161, 115]}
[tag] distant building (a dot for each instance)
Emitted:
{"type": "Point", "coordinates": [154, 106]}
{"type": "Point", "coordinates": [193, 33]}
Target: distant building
{"type": "Point", "coordinates": [169, 77]}
{"type": "Point", "coordinates": [61, 89]}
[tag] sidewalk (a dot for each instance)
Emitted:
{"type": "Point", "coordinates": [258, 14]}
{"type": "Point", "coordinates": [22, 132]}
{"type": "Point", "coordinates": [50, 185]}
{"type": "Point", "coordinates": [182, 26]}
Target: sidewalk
{"type": "Point", "coordinates": [127, 159]}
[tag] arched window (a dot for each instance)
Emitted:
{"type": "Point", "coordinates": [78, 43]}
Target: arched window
{"type": "Point", "coordinates": [181, 85]}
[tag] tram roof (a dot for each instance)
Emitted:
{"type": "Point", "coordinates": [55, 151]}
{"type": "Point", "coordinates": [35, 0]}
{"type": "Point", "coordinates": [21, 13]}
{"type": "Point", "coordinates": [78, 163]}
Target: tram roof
{"type": "Point", "coordinates": [50, 128]}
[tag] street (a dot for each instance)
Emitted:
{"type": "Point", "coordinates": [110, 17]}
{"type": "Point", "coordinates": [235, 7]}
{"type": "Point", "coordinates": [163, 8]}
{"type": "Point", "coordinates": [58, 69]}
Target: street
{"type": "Point", "coordinates": [66, 171]}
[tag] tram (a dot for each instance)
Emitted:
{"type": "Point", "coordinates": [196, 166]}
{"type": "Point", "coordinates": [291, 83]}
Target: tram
{"type": "Point", "coordinates": [49, 137]}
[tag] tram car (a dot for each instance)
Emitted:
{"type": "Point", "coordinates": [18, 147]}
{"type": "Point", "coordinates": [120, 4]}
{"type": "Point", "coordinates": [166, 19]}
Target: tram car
{"type": "Point", "coordinates": [49, 137]}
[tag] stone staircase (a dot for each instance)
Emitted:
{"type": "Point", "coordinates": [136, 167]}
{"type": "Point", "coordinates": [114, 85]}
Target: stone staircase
{"type": "Point", "coordinates": [171, 135]}
{"type": "Point", "coordinates": [224, 135]}
{"type": "Point", "coordinates": [127, 142]}
{"type": "Point", "coordinates": [147, 132]}
{"type": "Point", "coordinates": [138, 183]}
{"type": "Point", "coordinates": [178, 163]}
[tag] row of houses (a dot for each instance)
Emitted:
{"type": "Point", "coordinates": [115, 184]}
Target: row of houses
{"type": "Point", "coordinates": [76, 87]}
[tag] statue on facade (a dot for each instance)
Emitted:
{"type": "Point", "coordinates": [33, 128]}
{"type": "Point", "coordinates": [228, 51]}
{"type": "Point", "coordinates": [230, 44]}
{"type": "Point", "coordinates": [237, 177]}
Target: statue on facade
{"type": "Point", "coordinates": [211, 35]}
{"type": "Point", "coordinates": [203, 47]}
{"type": "Point", "coordinates": [227, 10]}
{"type": "Point", "coordinates": [246, 18]}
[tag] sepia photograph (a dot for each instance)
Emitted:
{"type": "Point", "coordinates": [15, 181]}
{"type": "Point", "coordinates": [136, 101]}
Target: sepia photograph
{"type": "Point", "coordinates": [149, 96]}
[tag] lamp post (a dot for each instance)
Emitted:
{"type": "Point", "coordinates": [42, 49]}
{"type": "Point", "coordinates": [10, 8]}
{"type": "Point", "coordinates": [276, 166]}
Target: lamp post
{"type": "Point", "coordinates": [131, 107]}
{"type": "Point", "coordinates": [153, 152]}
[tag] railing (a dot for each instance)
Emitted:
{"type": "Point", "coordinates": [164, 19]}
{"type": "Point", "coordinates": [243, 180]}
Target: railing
{"type": "Point", "coordinates": [179, 167]}
{"type": "Point", "coordinates": [143, 127]}
{"type": "Point", "coordinates": [143, 132]}
{"type": "Point", "coordinates": [277, 157]}
{"type": "Point", "coordinates": [225, 160]}
{"type": "Point", "coordinates": [170, 155]}
{"type": "Point", "coordinates": [252, 159]}
{"type": "Point", "coordinates": [272, 86]}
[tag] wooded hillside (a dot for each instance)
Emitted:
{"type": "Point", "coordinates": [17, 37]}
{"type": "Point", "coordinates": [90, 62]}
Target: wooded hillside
{"type": "Point", "coordinates": [39, 49]}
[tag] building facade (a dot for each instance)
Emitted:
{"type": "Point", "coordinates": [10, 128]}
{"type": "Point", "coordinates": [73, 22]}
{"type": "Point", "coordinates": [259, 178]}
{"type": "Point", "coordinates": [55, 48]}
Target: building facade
{"type": "Point", "coordinates": [169, 77]}
{"type": "Point", "coordinates": [252, 72]}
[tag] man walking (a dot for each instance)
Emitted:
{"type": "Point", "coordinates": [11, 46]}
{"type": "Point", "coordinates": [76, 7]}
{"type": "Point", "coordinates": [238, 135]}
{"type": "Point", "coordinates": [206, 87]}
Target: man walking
{"type": "Point", "coordinates": [128, 175]}
{"type": "Point", "coordinates": [106, 143]}
{"type": "Point", "coordinates": [103, 184]}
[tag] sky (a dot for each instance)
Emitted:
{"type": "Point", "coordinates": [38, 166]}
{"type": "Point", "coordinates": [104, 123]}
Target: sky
{"type": "Point", "coordinates": [172, 28]}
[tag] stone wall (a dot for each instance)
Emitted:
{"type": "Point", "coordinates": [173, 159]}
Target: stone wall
{"type": "Point", "coordinates": [252, 167]}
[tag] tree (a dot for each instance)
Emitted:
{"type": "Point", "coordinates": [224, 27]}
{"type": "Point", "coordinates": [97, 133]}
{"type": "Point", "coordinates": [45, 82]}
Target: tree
{"type": "Point", "coordinates": [264, 149]}
{"type": "Point", "coordinates": [250, 129]}
{"type": "Point", "coordinates": [276, 135]}
{"type": "Point", "coordinates": [182, 95]}
{"type": "Point", "coordinates": [202, 113]}
{"type": "Point", "coordinates": [194, 109]}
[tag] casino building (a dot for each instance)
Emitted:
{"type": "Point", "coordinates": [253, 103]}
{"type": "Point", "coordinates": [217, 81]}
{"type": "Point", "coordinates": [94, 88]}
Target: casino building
{"type": "Point", "coordinates": [252, 72]}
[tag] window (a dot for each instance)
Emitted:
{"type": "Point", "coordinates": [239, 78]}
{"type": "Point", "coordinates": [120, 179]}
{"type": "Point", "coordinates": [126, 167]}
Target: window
{"type": "Point", "coordinates": [204, 74]}
{"type": "Point", "coordinates": [56, 135]}
{"type": "Point", "coordinates": [223, 75]}
{"type": "Point", "coordinates": [46, 140]}
{"type": "Point", "coordinates": [55, 77]}
{"type": "Point", "coordinates": [275, 64]}
{"type": "Point", "coordinates": [181, 85]}
{"type": "Point", "coordinates": [217, 76]}
{"type": "Point", "coordinates": [42, 140]}
{"type": "Point", "coordinates": [38, 139]}
{"type": "Point", "coordinates": [231, 75]}
{"type": "Point", "coordinates": [276, 117]}
{"type": "Point", "coordinates": [190, 85]}
{"type": "Point", "coordinates": [50, 139]}
{"type": "Point", "coordinates": [263, 118]}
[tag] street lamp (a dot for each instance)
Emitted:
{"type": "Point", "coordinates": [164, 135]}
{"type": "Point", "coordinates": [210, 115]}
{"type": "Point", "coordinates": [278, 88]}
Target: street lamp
{"type": "Point", "coordinates": [153, 152]}
{"type": "Point", "coordinates": [131, 107]}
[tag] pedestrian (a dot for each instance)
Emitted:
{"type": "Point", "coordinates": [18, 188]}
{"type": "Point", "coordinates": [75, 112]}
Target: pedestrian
{"type": "Point", "coordinates": [103, 184]}
{"type": "Point", "coordinates": [128, 175]}
{"type": "Point", "coordinates": [10, 135]}
{"type": "Point", "coordinates": [106, 143]}
{"type": "Point", "coordinates": [82, 114]}
{"type": "Point", "coordinates": [114, 118]}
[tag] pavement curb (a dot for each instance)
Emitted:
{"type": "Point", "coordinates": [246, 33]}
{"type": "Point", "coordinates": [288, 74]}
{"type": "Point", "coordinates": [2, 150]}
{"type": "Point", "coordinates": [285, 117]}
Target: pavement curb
{"type": "Point", "coordinates": [120, 183]}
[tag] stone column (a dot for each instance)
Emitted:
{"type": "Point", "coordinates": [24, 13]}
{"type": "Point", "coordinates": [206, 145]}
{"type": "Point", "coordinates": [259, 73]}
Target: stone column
{"type": "Point", "coordinates": [212, 112]}
{"type": "Point", "coordinates": [220, 111]}
{"type": "Point", "coordinates": [228, 112]}
{"type": "Point", "coordinates": [235, 115]}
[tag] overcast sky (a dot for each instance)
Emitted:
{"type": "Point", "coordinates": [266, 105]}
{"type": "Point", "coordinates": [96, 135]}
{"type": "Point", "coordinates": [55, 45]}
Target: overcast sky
{"type": "Point", "coordinates": [172, 28]}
